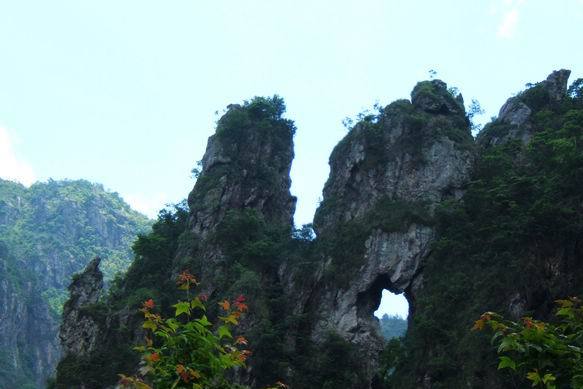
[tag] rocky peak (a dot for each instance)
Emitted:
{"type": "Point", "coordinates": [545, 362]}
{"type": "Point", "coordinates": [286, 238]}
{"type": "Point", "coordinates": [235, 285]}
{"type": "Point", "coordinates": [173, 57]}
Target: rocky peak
{"type": "Point", "coordinates": [78, 330]}
{"type": "Point", "coordinates": [86, 287]}
{"type": "Point", "coordinates": [416, 151]}
{"type": "Point", "coordinates": [246, 165]}
{"type": "Point", "coordinates": [514, 118]}
{"type": "Point", "coordinates": [556, 84]}
{"type": "Point", "coordinates": [386, 176]}
{"type": "Point", "coordinates": [434, 97]}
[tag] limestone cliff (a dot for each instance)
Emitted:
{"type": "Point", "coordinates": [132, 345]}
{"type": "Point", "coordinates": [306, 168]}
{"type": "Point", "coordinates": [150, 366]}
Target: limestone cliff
{"type": "Point", "coordinates": [412, 205]}
{"type": "Point", "coordinates": [245, 169]}
{"type": "Point", "coordinates": [27, 327]}
{"type": "Point", "coordinates": [511, 245]}
{"type": "Point", "coordinates": [78, 330]}
{"type": "Point", "coordinates": [51, 231]}
{"type": "Point", "coordinates": [387, 175]}
{"type": "Point", "coordinates": [241, 194]}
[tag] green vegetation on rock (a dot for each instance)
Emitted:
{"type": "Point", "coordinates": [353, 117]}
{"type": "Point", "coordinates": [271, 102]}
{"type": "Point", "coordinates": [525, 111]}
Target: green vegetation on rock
{"type": "Point", "coordinates": [512, 245]}
{"type": "Point", "coordinates": [52, 230]}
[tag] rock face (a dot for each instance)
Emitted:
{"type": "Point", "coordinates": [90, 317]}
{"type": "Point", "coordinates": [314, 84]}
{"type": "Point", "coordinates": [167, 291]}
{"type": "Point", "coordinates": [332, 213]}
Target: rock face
{"type": "Point", "coordinates": [514, 121]}
{"type": "Point", "coordinates": [414, 155]}
{"type": "Point", "coordinates": [489, 255]}
{"type": "Point", "coordinates": [78, 330]}
{"type": "Point", "coordinates": [244, 179]}
{"type": "Point", "coordinates": [386, 177]}
{"type": "Point", "coordinates": [556, 84]}
{"type": "Point", "coordinates": [231, 176]}
{"type": "Point", "coordinates": [312, 300]}
{"type": "Point", "coordinates": [51, 230]}
{"type": "Point", "coordinates": [245, 168]}
{"type": "Point", "coordinates": [27, 328]}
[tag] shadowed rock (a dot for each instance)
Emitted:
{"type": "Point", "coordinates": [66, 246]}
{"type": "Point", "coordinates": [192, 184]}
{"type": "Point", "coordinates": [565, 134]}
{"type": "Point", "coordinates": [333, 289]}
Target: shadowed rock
{"type": "Point", "coordinates": [79, 332]}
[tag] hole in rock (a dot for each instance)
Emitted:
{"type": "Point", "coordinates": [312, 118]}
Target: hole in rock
{"type": "Point", "coordinates": [392, 313]}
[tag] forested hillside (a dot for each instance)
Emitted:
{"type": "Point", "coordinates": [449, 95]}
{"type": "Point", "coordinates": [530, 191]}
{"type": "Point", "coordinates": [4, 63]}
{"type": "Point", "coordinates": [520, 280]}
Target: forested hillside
{"type": "Point", "coordinates": [393, 326]}
{"type": "Point", "coordinates": [48, 232]}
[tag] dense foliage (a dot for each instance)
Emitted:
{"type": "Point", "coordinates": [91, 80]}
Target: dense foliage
{"type": "Point", "coordinates": [549, 355]}
{"type": "Point", "coordinates": [58, 226]}
{"type": "Point", "coordinates": [187, 350]}
{"type": "Point", "coordinates": [393, 326]}
{"type": "Point", "coordinates": [514, 238]}
{"type": "Point", "coordinates": [52, 230]}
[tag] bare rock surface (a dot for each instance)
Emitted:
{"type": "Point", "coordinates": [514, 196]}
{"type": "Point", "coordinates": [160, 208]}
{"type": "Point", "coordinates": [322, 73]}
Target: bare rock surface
{"type": "Point", "coordinates": [79, 331]}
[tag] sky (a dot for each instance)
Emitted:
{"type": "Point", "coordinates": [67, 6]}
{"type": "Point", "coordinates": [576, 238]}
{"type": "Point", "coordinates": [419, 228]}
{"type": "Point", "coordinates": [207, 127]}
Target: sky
{"type": "Point", "coordinates": [126, 92]}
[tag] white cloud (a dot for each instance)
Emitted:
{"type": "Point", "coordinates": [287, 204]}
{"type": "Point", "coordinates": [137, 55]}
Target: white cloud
{"type": "Point", "coordinates": [510, 10]}
{"type": "Point", "coordinates": [507, 27]}
{"type": "Point", "coordinates": [11, 167]}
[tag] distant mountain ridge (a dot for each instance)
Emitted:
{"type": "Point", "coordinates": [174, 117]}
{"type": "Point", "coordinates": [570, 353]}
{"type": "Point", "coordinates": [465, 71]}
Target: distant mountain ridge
{"type": "Point", "coordinates": [393, 326]}
{"type": "Point", "coordinates": [49, 232]}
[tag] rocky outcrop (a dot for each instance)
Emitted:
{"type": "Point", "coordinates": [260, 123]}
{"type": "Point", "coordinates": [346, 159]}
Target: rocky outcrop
{"type": "Point", "coordinates": [433, 97]}
{"type": "Point", "coordinates": [79, 330]}
{"type": "Point", "coordinates": [556, 84]}
{"type": "Point", "coordinates": [242, 168]}
{"type": "Point", "coordinates": [375, 228]}
{"type": "Point", "coordinates": [514, 119]}
{"type": "Point", "coordinates": [386, 177]}
{"type": "Point", "coordinates": [514, 112]}
{"type": "Point", "coordinates": [245, 168]}
{"type": "Point", "coordinates": [245, 174]}
{"type": "Point", "coordinates": [413, 155]}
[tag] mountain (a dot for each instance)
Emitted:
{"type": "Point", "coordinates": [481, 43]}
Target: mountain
{"type": "Point", "coordinates": [393, 326]}
{"type": "Point", "coordinates": [512, 245]}
{"type": "Point", "coordinates": [49, 232]}
{"type": "Point", "coordinates": [414, 204]}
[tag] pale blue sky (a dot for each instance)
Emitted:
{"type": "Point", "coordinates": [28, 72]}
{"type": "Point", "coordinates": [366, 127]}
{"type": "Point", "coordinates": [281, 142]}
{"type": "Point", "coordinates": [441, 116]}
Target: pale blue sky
{"type": "Point", "coordinates": [123, 92]}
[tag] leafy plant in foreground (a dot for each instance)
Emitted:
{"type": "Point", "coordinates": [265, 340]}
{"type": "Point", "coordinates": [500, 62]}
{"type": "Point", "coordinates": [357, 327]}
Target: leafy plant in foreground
{"type": "Point", "coordinates": [187, 350]}
{"type": "Point", "coordinates": [549, 355]}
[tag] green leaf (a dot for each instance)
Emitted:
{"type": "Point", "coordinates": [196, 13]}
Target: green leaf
{"type": "Point", "coordinates": [565, 312]}
{"type": "Point", "coordinates": [224, 332]}
{"type": "Point", "coordinates": [196, 303]}
{"type": "Point", "coordinates": [149, 324]}
{"type": "Point", "coordinates": [507, 344]}
{"type": "Point", "coordinates": [549, 378]}
{"type": "Point", "coordinates": [204, 321]}
{"type": "Point", "coordinates": [506, 362]}
{"type": "Point", "coordinates": [534, 377]}
{"type": "Point", "coordinates": [181, 307]}
{"type": "Point", "coordinates": [172, 324]}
